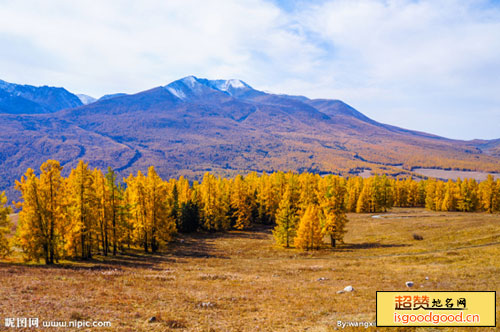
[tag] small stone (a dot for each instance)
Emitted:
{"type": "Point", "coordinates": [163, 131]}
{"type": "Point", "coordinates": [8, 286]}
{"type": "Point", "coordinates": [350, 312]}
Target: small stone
{"type": "Point", "coordinates": [206, 304]}
{"type": "Point", "coordinates": [348, 289]}
{"type": "Point", "coordinates": [409, 284]}
{"type": "Point", "coordinates": [426, 278]}
{"type": "Point", "coordinates": [152, 319]}
{"type": "Point", "coordinates": [340, 292]}
{"type": "Point", "coordinates": [322, 279]}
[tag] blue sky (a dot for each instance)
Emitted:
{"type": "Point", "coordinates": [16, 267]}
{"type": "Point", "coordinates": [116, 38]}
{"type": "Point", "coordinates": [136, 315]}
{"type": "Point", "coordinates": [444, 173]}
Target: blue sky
{"type": "Point", "coordinates": [432, 66]}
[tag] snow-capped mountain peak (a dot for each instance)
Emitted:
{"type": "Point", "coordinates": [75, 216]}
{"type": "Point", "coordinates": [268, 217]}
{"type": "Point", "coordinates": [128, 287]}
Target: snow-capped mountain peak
{"type": "Point", "coordinates": [191, 85]}
{"type": "Point", "coordinates": [190, 81]}
{"type": "Point", "coordinates": [236, 84]}
{"type": "Point", "coordinates": [86, 99]}
{"type": "Point", "coordinates": [228, 85]}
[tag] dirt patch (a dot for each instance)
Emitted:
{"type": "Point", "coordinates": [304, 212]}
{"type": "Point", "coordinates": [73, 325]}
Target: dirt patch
{"type": "Point", "coordinates": [451, 174]}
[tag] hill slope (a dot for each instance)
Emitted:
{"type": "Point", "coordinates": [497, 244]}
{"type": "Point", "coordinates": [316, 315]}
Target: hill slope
{"type": "Point", "coordinates": [27, 99]}
{"type": "Point", "coordinates": [195, 125]}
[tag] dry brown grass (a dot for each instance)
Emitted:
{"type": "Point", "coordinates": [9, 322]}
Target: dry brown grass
{"type": "Point", "coordinates": [238, 281]}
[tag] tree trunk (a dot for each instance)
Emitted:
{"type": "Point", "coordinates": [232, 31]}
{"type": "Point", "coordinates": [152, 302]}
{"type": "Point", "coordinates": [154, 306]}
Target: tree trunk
{"type": "Point", "coordinates": [332, 240]}
{"type": "Point", "coordinates": [287, 233]}
{"type": "Point", "coordinates": [114, 217]}
{"type": "Point", "coordinates": [102, 238]}
{"type": "Point", "coordinates": [83, 245]}
{"type": "Point", "coordinates": [89, 253]}
{"type": "Point", "coordinates": [51, 228]}
{"type": "Point", "coordinates": [46, 253]}
{"type": "Point", "coordinates": [106, 243]}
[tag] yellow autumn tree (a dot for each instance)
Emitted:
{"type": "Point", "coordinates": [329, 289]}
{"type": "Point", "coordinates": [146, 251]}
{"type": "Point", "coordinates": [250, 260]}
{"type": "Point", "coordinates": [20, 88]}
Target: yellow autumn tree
{"type": "Point", "coordinates": [365, 199]}
{"type": "Point", "coordinates": [309, 235]}
{"type": "Point", "coordinates": [267, 199]}
{"type": "Point", "coordinates": [136, 193]}
{"type": "Point", "coordinates": [43, 213]}
{"type": "Point", "coordinates": [287, 215]}
{"type": "Point", "coordinates": [214, 200]}
{"type": "Point", "coordinates": [468, 196]}
{"type": "Point", "coordinates": [188, 216]}
{"type": "Point", "coordinates": [160, 223]}
{"type": "Point", "coordinates": [401, 193]}
{"type": "Point", "coordinates": [308, 190]}
{"type": "Point", "coordinates": [333, 205]}
{"type": "Point", "coordinates": [152, 222]}
{"type": "Point", "coordinates": [430, 195]}
{"type": "Point", "coordinates": [113, 207]}
{"type": "Point", "coordinates": [241, 203]}
{"type": "Point", "coordinates": [449, 201]}
{"type": "Point", "coordinates": [354, 188]}
{"type": "Point", "coordinates": [385, 195]}
{"type": "Point", "coordinates": [435, 195]}
{"type": "Point", "coordinates": [80, 228]}
{"type": "Point", "coordinates": [4, 225]}
{"type": "Point", "coordinates": [102, 213]}
{"type": "Point", "coordinates": [490, 194]}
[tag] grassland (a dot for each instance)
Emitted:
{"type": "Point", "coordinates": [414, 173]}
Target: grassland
{"type": "Point", "coordinates": [237, 281]}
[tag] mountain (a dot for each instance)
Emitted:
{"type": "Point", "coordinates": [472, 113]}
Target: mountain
{"type": "Point", "coordinates": [85, 99]}
{"type": "Point", "coordinates": [27, 99]}
{"type": "Point", "coordinates": [113, 95]}
{"type": "Point", "coordinates": [195, 125]}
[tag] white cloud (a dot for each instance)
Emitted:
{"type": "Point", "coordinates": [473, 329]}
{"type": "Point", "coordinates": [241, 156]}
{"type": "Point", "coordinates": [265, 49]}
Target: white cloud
{"type": "Point", "coordinates": [410, 63]}
{"type": "Point", "coordinates": [129, 45]}
{"type": "Point", "coordinates": [414, 63]}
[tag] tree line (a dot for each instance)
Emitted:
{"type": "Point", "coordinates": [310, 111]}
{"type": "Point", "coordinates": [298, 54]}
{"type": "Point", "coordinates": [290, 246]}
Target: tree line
{"type": "Point", "coordinates": [88, 212]}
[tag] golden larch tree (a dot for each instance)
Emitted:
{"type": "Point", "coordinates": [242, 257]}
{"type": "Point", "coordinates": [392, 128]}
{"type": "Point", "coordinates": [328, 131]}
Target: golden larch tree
{"type": "Point", "coordinates": [5, 225]}
{"type": "Point", "coordinates": [241, 203]}
{"type": "Point", "coordinates": [333, 205]}
{"type": "Point", "coordinates": [288, 215]}
{"type": "Point", "coordinates": [309, 235]}
{"type": "Point", "coordinates": [214, 199]}
{"type": "Point", "coordinates": [43, 213]}
{"type": "Point", "coordinates": [81, 212]}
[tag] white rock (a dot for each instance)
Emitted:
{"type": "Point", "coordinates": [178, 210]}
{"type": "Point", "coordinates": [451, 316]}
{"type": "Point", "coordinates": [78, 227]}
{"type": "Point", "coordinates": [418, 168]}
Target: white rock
{"type": "Point", "coordinates": [206, 304]}
{"type": "Point", "coordinates": [348, 289]}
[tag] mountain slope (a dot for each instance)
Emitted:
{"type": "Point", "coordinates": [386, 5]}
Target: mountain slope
{"type": "Point", "coordinates": [194, 125]}
{"type": "Point", "coordinates": [85, 99]}
{"type": "Point", "coordinates": [27, 99]}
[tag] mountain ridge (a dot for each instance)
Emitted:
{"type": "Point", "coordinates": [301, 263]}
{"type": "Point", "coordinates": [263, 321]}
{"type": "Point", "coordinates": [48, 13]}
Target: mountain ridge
{"type": "Point", "coordinates": [29, 99]}
{"type": "Point", "coordinates": [194, 125]}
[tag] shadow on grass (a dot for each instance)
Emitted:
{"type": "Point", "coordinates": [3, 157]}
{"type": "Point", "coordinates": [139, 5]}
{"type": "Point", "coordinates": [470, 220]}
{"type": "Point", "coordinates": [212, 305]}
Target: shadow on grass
{"type": "Point", "coordinates": [371, 245]}
{"type": "Point", "coordinates": [132, 258]}
{"type": "Point", "coordinates": [196, 245]}
{"type": "Point", "coordinates": [201, 244]}
{"type": "Point", "coordinates": [257, 232]}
